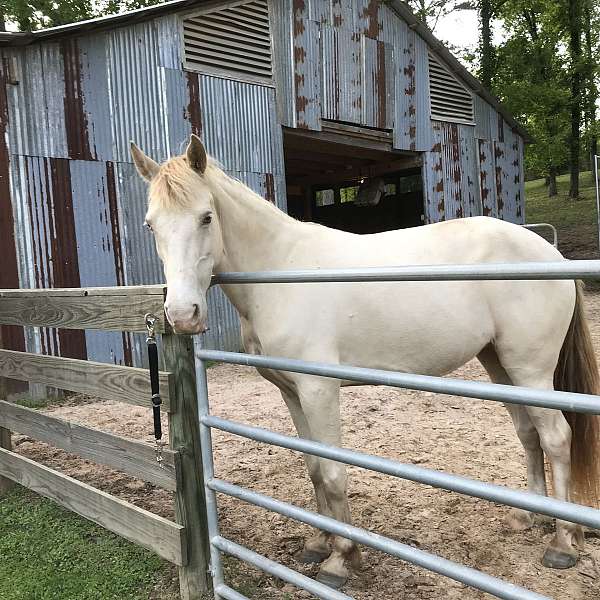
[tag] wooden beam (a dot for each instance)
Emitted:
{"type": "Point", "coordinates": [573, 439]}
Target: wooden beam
{"type": "Point", "coordinates": [184, 437]}
{"type": "Point", "coordinates": [356, 174]}
{"type": "Point", "coordinates": [139, 526]}
{"type": "Point", "coordinates": [125, 290]}
{"type": "Point", "coordinates": [101, 311]}
{"type": "Point", "coordinates": [101, 380]}
{"type": "Point", "coordinates": [130, 456]}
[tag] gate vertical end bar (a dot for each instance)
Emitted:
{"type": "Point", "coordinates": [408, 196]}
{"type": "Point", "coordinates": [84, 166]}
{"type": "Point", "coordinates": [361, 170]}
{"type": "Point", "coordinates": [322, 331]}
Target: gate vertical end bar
{"type": "Point", "coordinates": [216, 567]}
{"type": "Point", "coordinates": [273, 568]}
{"type": "Point", "coordinates": [467, 575]}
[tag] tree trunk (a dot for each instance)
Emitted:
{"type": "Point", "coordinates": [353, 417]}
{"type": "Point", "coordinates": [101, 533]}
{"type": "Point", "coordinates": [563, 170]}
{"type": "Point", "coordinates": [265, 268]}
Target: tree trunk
{"type": "Point", "coordinates": [486, 49]}
{"type": "Point", "coordinates": [576, 81]}
{"type": "Point", "coordinates": [591, 89]}
{"type": "Point", "coordinates": [552, 188]}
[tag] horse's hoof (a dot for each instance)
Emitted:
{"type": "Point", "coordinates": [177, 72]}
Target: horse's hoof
{"type": "Point", "coordinates": [519, 520]}
{"type": "Point", "coordinates": [557, 559]}
{"type": "Point", "coordinates": [331, 580]}
{"type": "Point", "coordinates": [311, 557]}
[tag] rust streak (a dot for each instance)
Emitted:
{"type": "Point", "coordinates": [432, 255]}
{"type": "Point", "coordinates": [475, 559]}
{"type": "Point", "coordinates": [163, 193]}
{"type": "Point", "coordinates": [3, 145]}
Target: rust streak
{"type": "Point", "coordinates": [270, 187]}
{"type": "Point", "coordinates": [194, 109]}
{"type": "Point", "coordinates": [76, 122]}
{"type": "Point", "coordinates": [371, 14]}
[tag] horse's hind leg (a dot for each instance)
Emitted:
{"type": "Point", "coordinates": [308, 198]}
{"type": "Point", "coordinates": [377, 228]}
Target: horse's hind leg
{"type": "Point", "coordinates": [316, 548]}
{"type": "Point", "coordinates": [519, 519]}
{"type": "Point", "coordinates": [537, 371]}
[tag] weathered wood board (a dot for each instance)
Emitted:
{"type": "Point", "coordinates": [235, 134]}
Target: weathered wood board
{"type": "Point", "coordinates": [101, 380]}
{"type": "Point", "coordinates": [113, 312]}
{"type": "Point", "coordinates": [139, 526]}
{"type": "Point", "coordinates": [130, 456]}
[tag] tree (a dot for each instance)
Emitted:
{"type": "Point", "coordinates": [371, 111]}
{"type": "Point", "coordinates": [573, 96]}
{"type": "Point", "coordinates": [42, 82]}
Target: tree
{"type": "Point", "coordinates": [431, 11]}
{"type": "Point", "coordinates": [575, 26]}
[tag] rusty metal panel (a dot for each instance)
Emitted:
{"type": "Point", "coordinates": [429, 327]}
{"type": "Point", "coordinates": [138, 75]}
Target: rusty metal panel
{"type": "Point", "coordinates": [368, 17]}
{"type": "Point", "coordinates": [378, 89]}
{"type": "Point", "coordinates": [342, 15]}
{"type": "Point", "coordinates": [423, 119]}
{"type": "Point", "coordinates": [342, 79]}
{"type": "Point", "coordinates": [181, 106]}
{"type": "Point", "coordinates": [318, 10]}
{"type": "Point", "coordinates": [452, 175]}
{"type": "Point", "coordinates": [95, 96]}
{"type": "Point", "coordinates": [169, 32]}
{"type": "Point", "coordinates": [509, 197]}
{"type": "Point", "coordinates": [307, 79]}
{"type": "Point", "coordinates": [468, 167]}
{"type": "Point", "coordinates": [36, 96]}
{"type": "Point", "coordinates": [136, 101]}
{"type": "Point", "coordinates": [98, 245]}
{"type": "Point", "coordinates": [487, 178]}
{"type": "Point", "coordinates": [405, 130]}
{"type": "Point", "coordinates": [482, 118]}
{"type": "Point", "coordinates": [240, 128]}
{"type": "Point", "coordinates": [433, 178]}
{"type": "Point", "coordinates": [11, 337]}
{"type": "Point", "coordinates": [282, 16]}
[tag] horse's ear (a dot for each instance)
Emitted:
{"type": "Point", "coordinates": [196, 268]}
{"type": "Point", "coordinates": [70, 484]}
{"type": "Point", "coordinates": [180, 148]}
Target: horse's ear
{"type": "Point", "coordinates": [196, 154]}
{"type": "Point", "coordinates": [146, 167]}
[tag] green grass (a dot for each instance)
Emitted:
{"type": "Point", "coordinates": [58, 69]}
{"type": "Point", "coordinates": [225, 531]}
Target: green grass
{"type": "Point", "coordinates": [575, 220]}
{"type": "Point", "coordinates": [48, 553]}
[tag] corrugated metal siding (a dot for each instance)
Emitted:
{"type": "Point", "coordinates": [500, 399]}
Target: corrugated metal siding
{"type": "Point", "coordinates": [487, 175]}
{"type": "Point", "coordinates": [282, 15]}
{"type": "Point", "coordinates": [307, 78]}
{"type": "Point", "coordinates": [433, 178]}
{"type": "Point", "coordinates": [468, 168]}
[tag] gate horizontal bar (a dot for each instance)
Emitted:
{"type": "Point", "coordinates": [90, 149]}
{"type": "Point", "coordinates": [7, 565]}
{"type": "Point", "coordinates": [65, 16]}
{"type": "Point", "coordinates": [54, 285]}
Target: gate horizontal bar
{"type": "Point", "coordinates": [583, 403]}
{"type": "Point", "coordinates": [467, 575]}
{"type": "Point", "coordinates": [453, 483]}
{"type": "Point", "coordinates": [224, 591]}
{"type": "Point", "coordinates": [277, 570]}
{"type": "Point", "coordinates": [491, 271]}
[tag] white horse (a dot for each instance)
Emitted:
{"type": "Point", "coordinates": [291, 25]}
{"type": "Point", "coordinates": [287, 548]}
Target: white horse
{"type": "Point", "coordinates": [205, 222]}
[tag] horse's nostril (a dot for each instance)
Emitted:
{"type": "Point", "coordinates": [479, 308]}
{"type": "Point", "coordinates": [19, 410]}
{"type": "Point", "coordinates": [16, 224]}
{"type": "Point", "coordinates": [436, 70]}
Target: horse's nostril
{"type": "Point", "coordinates": [196, 310]}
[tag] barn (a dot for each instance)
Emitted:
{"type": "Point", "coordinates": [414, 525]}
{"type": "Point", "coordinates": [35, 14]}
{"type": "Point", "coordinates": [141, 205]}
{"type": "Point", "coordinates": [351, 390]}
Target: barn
{"type": "Point", "coordinates": [345, 112]}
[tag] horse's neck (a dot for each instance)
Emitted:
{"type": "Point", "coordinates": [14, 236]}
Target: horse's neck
{"type": "Point", "coordinates": [256, 236]}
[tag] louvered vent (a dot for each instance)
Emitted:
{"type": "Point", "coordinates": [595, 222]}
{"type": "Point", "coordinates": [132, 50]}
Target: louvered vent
{"type": "Point", "coordinates": [450, 99]}
{"type": "Point", "coordinates": [236, 39]}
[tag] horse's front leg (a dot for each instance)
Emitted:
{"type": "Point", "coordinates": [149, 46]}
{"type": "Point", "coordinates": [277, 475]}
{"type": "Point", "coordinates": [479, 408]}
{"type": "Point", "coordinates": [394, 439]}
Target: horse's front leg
{"type": "Point", "coordinates": [320, 402]}
{"type": "Point", "coordinates": [316, 548]}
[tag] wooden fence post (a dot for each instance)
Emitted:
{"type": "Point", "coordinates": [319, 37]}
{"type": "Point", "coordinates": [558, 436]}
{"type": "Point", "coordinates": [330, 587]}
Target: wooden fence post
{"type": "Point", "coordinates": [184, 436]}
{"type": "Point", "coordinates": [5, 484]}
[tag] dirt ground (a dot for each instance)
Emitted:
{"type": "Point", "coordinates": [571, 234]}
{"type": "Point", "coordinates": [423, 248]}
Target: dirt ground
{"type": "Point", "coordinates": [458, 435]}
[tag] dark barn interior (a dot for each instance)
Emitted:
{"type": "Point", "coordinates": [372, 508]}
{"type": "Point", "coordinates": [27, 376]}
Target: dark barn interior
{"type": "Point", "coordinates": [350, 178]}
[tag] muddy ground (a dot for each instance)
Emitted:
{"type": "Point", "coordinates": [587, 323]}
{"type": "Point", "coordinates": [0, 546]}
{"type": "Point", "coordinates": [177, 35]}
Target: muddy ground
{"type": "Point", "coordinates": [458, 435]}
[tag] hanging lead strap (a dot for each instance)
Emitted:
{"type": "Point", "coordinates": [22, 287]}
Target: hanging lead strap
{"type": "Point", "coordinates": [154, 384]}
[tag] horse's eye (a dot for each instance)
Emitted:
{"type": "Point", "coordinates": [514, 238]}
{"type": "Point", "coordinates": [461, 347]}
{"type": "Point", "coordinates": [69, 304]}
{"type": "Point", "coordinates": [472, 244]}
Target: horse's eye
{"type": "Point", "coordinates": [147, 226]}
{"type": "Point", "coordinates": [206, 220]}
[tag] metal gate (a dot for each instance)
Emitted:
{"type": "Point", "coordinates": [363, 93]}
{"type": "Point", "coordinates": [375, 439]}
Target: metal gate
{"type": "Point", "coordinates": [583, 403]}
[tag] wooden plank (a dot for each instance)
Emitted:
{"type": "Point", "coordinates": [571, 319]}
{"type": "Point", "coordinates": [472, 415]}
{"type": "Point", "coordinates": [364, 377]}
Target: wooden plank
{"type": "Point", "coordinates": [121, 313]}
{"type": "Point", "coordinates": [125, 290]}
{"type": "Point", "coordinates": [101, 380]}
{"type": "Point", "coordinates": [137, 525]}
{"type": "Point", "coordinates": [130, 456]}
{"type": "Point", "coordinates": [184, 436]}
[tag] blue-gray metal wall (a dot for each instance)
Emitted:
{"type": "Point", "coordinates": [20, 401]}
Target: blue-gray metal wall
{"type": "Point", "coordinates": [70, 117]}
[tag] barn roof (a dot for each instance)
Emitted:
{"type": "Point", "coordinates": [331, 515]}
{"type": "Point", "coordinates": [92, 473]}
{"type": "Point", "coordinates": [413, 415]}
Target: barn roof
{"type": "Point", "coordinates": [142, 14]}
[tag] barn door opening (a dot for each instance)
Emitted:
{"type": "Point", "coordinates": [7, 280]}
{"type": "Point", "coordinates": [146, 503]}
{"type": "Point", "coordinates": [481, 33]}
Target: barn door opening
{"type": "Point", "coordinates": [349, 178]}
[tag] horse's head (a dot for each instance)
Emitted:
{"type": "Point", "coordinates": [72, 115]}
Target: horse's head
{"type": "Point", "coordinates": [181, 214]}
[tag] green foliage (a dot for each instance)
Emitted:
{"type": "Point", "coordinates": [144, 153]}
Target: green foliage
{"type": "Point", "coordinates": [50, 554]}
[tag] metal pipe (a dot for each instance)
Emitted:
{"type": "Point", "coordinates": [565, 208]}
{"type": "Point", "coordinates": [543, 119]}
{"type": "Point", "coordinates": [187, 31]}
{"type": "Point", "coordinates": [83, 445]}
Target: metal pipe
{"type": "Point", "coordinates": [584, 403]}
{"type": "Point", "coordinates": [596, 159]}
{"type": "Point", "coordinates": [467, 575]}
{"type": "Point", "coordinates": [453, 483]}
{"type": "Point", "coordinates": [224, 591]}
{"type": "Point", "coordinates": [566, 269]}
{"type": "Point", "coordinates": [534, 226]}
{"type": "Point", "coordinates": [277, 570]}
{"type": "Point", "coordinates": [212, 517]}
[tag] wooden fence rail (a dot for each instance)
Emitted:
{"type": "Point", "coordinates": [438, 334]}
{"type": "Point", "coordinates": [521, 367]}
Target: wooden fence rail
{"type": "Point", "coordinates": [183, 543]}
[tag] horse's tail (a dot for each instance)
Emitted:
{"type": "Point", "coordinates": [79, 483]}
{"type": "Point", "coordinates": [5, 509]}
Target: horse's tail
{"type": "Point", "coordinates": [577, 371]}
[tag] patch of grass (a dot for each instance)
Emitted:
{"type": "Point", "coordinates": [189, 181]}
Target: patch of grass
{"type": "Point", "coordinates": [575, 220]}
{"type": "Point", "coordinates": [35, 402]}
{"type": "Point", "coordinates": [49, 553]}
